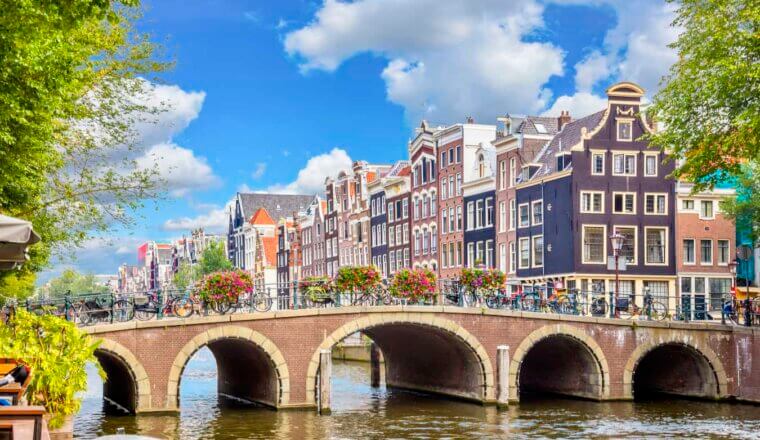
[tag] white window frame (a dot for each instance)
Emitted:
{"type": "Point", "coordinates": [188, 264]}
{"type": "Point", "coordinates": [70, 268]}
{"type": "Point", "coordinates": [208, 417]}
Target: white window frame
{"type": "Point", "coordinates": [519, 215]}
{"type": "Point", "coordinates": [591, 205]}
{"type": "Point", "coordinates": [712, 252]}
{"type": "Point", "coordinates": [665, 252]}
{"type": "Point", "coordinates": [656, 164]}
{"type": "Point", "coordinates": [502, 174]}
{"type": "Point", "coordinates": [624, 193]}
{"type": "Point", "coordinates": [533, 212]}
{"type": "Point", "coordinates": [604, 244]}
{"type": "Point", "coordinates": [519, 253]}
{"type": "Point", "coordinates": [646, 195]}
{"type": "Point", "coordinates": [618, 122]}
{"type": "Point", "coordinates": [728, 255]}
{"type": "Point", "coordinates": [624, 154]}
{"type": "Point", "coordinates": [512, 171]}
{"type": "Point", "coordinates": [512, 214]}
{"type": "Point", "coordinates": [533, 250]}
{"type": "Point", "coordinates": [603, 155]}
{"type": "Point", "coordinates": [512, 256]}
{"type": "Point", "coordinates": [502, 216]}
{"type": "Point", "coordinates": [703, 217]}
{"type": "Point", "coordinates": [635, 228]}
{"type": "Point", "coordinates": [694, 250]}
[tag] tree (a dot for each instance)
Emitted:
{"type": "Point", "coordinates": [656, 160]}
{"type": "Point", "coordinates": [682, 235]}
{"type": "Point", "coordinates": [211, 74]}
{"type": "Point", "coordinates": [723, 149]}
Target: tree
{"type": "Point", "coordinates": [745, 208]}
{"type": "Point", "coordinates": [213, 259]}
{"type": "Point", "coordinates": [709, 107]}
{"type": "Point", "coordinates": [73, 93]}
{"type": "Point", "coordinates": [75, 283]}
{"type": "Point", "coordinates": [185, 276]}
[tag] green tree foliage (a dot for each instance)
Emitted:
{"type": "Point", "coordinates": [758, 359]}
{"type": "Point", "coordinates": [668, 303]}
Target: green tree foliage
{"type": "Point", "coordinates": [57, 352]}
{"type": "Point", "coordinates": [709, 107]}
{"type": "Point", "coordinates": [745, 208]}
{"type": "Point", "coordinates": [185, 276]}
{"type": "Point", "coordinates": [213, 259]}
{"type": "Point", "coordinates": [72, 93]}
{"type": "Point", "coordinates": [74, 282]}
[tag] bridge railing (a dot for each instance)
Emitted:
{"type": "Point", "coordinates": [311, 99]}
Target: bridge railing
{"type": "Point", "coordinates": [102, 308]}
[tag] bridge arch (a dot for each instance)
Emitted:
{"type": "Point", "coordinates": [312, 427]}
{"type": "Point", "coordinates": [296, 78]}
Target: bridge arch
{"type": "Point", "coordinates": [401, 327]}
{"type": "Point", "coordinates": [560, 359]}
{"type": "Point", "coordinates": [234, 348]}
{"type": "Point", "coordinates": [127, 382]}
{"type": "Point", "coordinates": [691, 369]}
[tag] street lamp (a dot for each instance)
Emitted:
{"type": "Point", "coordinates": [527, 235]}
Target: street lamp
{"type": "Point", "coordinates": [617, 239]}
{"type": "Point", "coordinates": [732, 267]}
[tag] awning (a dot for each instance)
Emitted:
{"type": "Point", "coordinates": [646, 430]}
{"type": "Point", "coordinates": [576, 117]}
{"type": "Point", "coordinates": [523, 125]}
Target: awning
{"type": "Point", "coordinates": [15, 236]}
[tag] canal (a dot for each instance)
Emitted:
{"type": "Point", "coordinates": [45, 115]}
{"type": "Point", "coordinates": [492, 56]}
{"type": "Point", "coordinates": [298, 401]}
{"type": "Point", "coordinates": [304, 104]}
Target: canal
{"type": "Point", "coordinates": [361, 412]}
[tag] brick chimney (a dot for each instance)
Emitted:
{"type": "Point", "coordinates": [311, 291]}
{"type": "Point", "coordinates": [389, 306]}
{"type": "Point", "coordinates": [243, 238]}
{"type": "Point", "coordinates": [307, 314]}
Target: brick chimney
{"type": "Point", "coordinates": [564, 118]}
{"type": "Point", "coordinates": [470, 120]}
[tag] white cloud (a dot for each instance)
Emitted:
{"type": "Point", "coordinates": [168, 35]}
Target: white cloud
{"type": "Point", "coordinates": [215, 220]}
{"type": "Point", "coordinates": [592, 69]}
{"type": "Point", "coordinates": [311, 178]}
{"type": "Point", "coordinates": [579, 105]}
{"type": "Point", "coordinates": [182, 170]}
{"type": "Point", "coordinates": [179, 107]}
{"type": "Point", "coordinates": [446, 59]}
{"type": "Point", "coordinates": [258, 173]}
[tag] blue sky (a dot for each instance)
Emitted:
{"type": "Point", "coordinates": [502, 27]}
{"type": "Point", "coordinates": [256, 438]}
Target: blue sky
{"type": "Point", "coordinates": [277, 95]}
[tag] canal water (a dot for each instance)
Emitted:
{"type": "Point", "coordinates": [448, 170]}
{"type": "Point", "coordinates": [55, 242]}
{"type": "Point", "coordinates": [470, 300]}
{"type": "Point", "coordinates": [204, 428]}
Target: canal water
{"type": "Point", "coordinates": [361, 412]}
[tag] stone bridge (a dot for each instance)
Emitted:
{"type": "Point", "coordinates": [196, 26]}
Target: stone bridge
{"type": "Point", "coordinates": [485, 356]}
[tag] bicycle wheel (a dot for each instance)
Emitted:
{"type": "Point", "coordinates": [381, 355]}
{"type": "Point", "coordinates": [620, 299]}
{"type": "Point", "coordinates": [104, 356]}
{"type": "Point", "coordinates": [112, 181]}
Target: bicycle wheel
{"type": "Point", "coordinates": [599, 307]}
{"type": "Point", "coordinates": [221, 307]}
{"type": "Point", "coordinates": [658, 311]}
{"type": "Point", "coordinates": [261, 303]}
{"type": "Point", "coordinates": [528, 303]}
{"type": "Point", "coordinates": [493, 301]}
{"type": "Point", "coordinates": [565, 306]}
{"type": "Point", "coordinates": [122, 311]}
{"type": "Point", "coordinates": [183, 307]}
{"type": "Point", "coordinates": [146, 312]}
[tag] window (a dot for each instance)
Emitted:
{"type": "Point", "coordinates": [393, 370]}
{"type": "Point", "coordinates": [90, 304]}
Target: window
{"type": "Point", "coordinates": [656, 245]}
{"type": "Point", "coordinates": [687, 205]}
{"type": "Point", "coordinates": [489, 211]}
{"type": "Point", "coordinates": [658, 289]}
{"type": "Point", "coordinates": [433, 240]}
{"type": "Point", "coordinates": [425, 206]}
{"type": "Point", "coordinates": [406, 257]}
{"type": "Point", "coordinates": [597, 164]}
{"type": "Point", "coordinates": [443, 189]}
{"type": "Point", "coordinates": [594, 244]}
{"type": "Point", "coordinates": [624, 203]}
{"type": "Point", "coordinates": [452, 220]}
{"type": "Point", "coordinates": [459, 218]}
{"type": "Point", "coordinates": [425, 241]}
{"type": "Point", "coordinates": [481, 166]}
{"type": "Point", "coordinates": [628, 251]}
{"type": "Point", "coordinates": [723, 251]}
{"type": "Point", "coordinates": [705, 252]}
{"type": "Point", "coordinates": [405, 208]}
{"type": "Point", "coordinates": [538, 251]}
{"type": "Point", "coordinates": [524, 215]}
{"type": "Point", "coordinates": [459, 154]}
{"type": "Point", "coordinates": [451, 186]}
{"type": "Point", "coordinates": [688, 251]}
{"type": "Point", "coordinates": [459, 184]}
{"type": "Point", "coordinates": [443, 159]}
{"type": "Point", "coordinates": [470, 215]}
{"type": "Point", "coordinates": [470, 254]}
{"type": "Point", "coordinates": [479, 213]}
{"type": "Point", "coordinates": [433, 208]}
{"type": "Point", "coordinates": [444, 257]}
{"type": "Point", "coordinates": [706, 210]}
{"type": "Point", "coordinates": [503, 174]}
{"type": "Point", "coordinates": [650, 165]}
{"type": "Point", "coordinates": [391, 236]}
{"type": "Point", "coordinates": [512, 214]}
{"type": "Point", "coordinates": [398, 234]}
{"type": "Point", "coordinates": [489, 253]}
{"type": "Point", "coordinates": [444, 220]}
{"type": "Point", "coordinates": [538, 212]}
{"type": "Point", "coordinates": [392, 260]}
{"type": "Point", "coordinates": [624, 164]}
{"type": "Point", "coordinates": [502, 217]}
{"type": "Point", "coordinates": [512, 171]}
{"type": "Point", "coordinates": [524, 253]}
{"type": "Point", "coordinates": [503, 257]}
{"type": "Point", "coordinates": [451, 155]}
{"type": "Point", "coordinates": [390, 212]}
{"type": "Point", "coordinates": [512, 256]}
{"type": "Point", "coordinates": [592, 202]}
{"type": "Point", "coordinates": [656, 204]}
{"type": "Point", "coordinates": [417, 242]}
{"type": "Point", "coordinates": [624, 130]}
{"type": "Point", "coordinates": [406, 233]}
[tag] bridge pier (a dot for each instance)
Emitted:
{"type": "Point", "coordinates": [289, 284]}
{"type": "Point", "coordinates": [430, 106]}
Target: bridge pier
{"type": "Point", "coordinates": [502, 379]}
{"type": "Point", "coordinates": [374, 361]}
{"type": "Point", "coordinates": [325, 381]}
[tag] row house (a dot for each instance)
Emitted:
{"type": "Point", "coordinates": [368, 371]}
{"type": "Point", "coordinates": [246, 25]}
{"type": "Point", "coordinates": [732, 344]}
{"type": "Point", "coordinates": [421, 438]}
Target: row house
{"type": "Point", "coordinates": [289, 259]}
{"type": "Point", "coordinates": [331, 226]}
{"type": "Point", "coordinates": [261, 249]}
{"type": "Point", "coordinates": [705, 245]}
{"type": "Point", "coordinates": [311, 223]}
{"type": "Point", "coordinates": [598, 177]}
{"type": "Point", "coordinates": [518, 141]}
{"type": "Point", "coordinates": [244, 206]}
{"type": "Point", "coordinates": [479, 191]}
{"type": "Point", "coordinates": [387, 219]}
{"type": "Point", "coordinates": [422, 154]}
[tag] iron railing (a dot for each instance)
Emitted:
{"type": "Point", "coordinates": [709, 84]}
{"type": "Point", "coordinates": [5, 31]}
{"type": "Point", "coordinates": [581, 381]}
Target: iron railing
{"type": "Point", "coordinates": [92, 309]}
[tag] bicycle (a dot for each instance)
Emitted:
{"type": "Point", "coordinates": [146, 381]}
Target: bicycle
{"type": "Point", "coordinates": [627, 308]}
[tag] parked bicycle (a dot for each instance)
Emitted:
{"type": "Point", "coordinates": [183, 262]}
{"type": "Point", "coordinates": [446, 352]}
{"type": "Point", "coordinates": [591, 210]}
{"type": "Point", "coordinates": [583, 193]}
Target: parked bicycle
{"type": "Point", "coordinates": [627, 308]}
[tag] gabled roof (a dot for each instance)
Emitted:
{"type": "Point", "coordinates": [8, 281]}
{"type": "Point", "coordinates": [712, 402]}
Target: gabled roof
{"type": "Point", "coordinates": [261, 218]}
{"type": "Point", "coordinates": [270, 250]}
{"type": "Point", "coordinates": [564, 140]}
{"type": "Point", "coordinates": [538, 125]}
{"type": "Point", "coordinates": [276, 205]}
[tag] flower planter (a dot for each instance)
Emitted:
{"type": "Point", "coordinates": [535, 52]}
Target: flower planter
{"type": "Point", "coordinates": [63, 432]}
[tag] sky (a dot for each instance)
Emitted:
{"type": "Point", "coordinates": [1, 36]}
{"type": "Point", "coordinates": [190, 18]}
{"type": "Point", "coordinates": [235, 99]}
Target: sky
{"type": "Point", "coordinates": [276, 96]}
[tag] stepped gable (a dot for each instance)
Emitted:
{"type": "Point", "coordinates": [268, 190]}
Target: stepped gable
{"type": "Point", "coordinates": [564, 140]}
{"type": "Point", "coordinates": [276, 205]}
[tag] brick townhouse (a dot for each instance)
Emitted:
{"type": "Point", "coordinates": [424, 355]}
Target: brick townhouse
{"type": "Point", "coordinates": [398, 215]}
{"type": "Point", "coordinates": [422, 155]}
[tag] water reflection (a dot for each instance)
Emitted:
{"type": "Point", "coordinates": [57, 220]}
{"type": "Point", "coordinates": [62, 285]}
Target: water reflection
{"type": "Point", "coordinates": [362, 412]}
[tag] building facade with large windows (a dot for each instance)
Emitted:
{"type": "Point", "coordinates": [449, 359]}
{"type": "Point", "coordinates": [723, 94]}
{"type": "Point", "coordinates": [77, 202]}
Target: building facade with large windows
{"type": "Point", "coordinates": [479, 206]}
{"type": "Point", "coordinates": [617, 183]}
{"type": "Point", "coordinates": [424, 197]}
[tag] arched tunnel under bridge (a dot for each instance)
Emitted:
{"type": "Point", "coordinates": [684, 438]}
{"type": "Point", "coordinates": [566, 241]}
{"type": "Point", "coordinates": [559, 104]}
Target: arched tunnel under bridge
{"type": "Point", "coordinates": [675, 369]}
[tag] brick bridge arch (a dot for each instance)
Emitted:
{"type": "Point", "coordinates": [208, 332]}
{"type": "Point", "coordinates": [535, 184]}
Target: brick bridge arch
{"type": "Point", "coordinates": [692, 369]}
{"type": "Point", "coordinates": [480, 388]}
{"type": "Point", "coordinates": [236, 347]}
{"type": "Point", "coordinates": [127, 383]}
{"type": "Point", "coordinates": [576, 349]}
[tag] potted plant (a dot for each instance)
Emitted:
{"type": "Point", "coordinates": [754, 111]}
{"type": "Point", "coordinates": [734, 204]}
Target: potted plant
{"type": "Point", "coordinates": [413, 285]}
{"type": "Point", "coordinates": [221, 289]}
{"type": "Point", "coordinates": [356, 279]}
{"type": "Point", "coordinates": [316, 289]}
{"type": "Point", "coordinates": [57, 352]}
{"type": "Point", "coordinates": [482, 282]}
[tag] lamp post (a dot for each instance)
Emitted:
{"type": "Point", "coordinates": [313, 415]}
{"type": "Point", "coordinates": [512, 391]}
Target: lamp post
{"type": "Point", "coordinates": [732, 267]}
{"type": "Point", "coordinates": [617, 240]}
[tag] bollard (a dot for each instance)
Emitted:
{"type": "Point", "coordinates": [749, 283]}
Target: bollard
{"type": "Point", "coordinates": [159, 305]}
{"type": "Point", "coordinates": [613, 306]}
{"type": "Point", "coordinates": [325, 375]}
{"type": "Point", "coordinates": [112, 307]}
{"type": "Point", "coordinates": [502, 376]}
{"type": "Point", "coordinates": [374, 360]}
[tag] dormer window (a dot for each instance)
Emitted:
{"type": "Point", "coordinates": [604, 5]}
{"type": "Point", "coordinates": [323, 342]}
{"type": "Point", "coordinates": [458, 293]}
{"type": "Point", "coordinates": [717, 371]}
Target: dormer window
{"type": "Point", "coordinates": [625, 130]}
{"type": "Point", "coordinates": [481, 166]}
